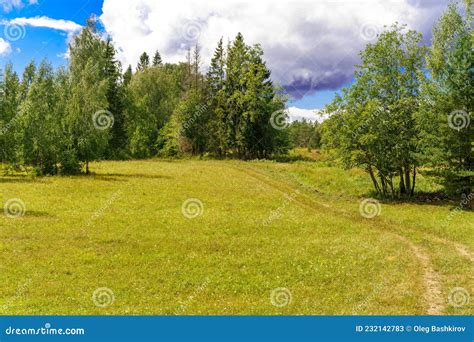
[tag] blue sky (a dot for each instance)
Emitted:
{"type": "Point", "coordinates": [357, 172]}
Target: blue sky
{"type": "Point", "coordinates": [39, 43]}
{"type": "Point", "coordinates": [311, 46]}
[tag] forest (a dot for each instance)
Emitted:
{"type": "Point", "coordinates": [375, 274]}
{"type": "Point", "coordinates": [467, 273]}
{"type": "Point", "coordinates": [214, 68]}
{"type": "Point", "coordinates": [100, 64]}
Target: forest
{"type": "Point", "coordinates": [409, 109]}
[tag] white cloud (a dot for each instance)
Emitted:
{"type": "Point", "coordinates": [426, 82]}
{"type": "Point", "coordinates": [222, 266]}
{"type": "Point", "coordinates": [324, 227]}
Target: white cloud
{"type": "Point", "coordinates": [65, 55]}
{"type": "Point", "coordinates": [309, 45]}
{"type": "Point", "coordinates": [298, 114]}
{"type": "Point", "coordinates": [56, 24]}
{"type": "Point", "coordinates": [5, 47]}
{"type": "Point", "coordinates": [8, 5]}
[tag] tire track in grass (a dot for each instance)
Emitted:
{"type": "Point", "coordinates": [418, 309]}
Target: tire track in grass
{"type": "Point", "coordinates": [462, 250]}
{"type": "Point", "coordinates": [431, 280]}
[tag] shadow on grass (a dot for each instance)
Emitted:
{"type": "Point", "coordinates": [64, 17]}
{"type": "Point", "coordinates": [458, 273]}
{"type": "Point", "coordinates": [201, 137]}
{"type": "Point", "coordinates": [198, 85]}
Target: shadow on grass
{"type": "Point", "coordinates": [36, 213]}
{"type": "Point", "coordinates": [21, 179]}
{"type": "Point", "coordinates": [437, 198]}
{"type": "Point", "coordinates": [291, 158]}
{"type": "Point", "coordinates": [122, 176]}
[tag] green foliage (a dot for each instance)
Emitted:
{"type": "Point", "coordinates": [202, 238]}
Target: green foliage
{"type": "Point", "coordinates": [144, 62]}
{"type": "Point", "coordinates": [218, 137]}
{"type": "Point", "coordinates": [397, 117]}
{"type": "Point", "coordinates": [153, 95]}
{"type": "Point", "coordinates": [88, 102]}
{"type": "Point", "coordinates": [447, 113]}
{"type": "Point", "coordinates": [10, 130]}
{"type": "Point", "coordinates": [304, 134]}
{"type": "Point", "coordinates": [115, 99]}
{"type": "Point", "coordinates": [41, 132]}
{"type": "Point", "coordinates": [375, 117]}
{"type": "Point", "coordinates": [191, 115]}
{"type": "Point", "coordinates": [157, 61]}
{"type": "Point", "coordinates": [242, 100]}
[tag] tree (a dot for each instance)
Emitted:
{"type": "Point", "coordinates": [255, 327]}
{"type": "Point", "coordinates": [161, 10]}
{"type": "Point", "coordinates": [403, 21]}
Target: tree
{"type": "Point", "coordinates": [88, 120]}
{"type": "Point", "coordinates": [27, 79]}
{"type": "Point", "coordinates": [447, 114]}
{"type": "Point", "coordinates": [196, 64]}
{"type": "Point", "coordinates": [192, 119]}
{"type": "Point", "coordinates": [112, 73]}
{"type": "Point", "coordinates": [260, 138]}
{"type": "Point", "coordinates": [304, 134]}
{"type": "Point", "coordinates": [127, 76]}
{"type": "Point", "coordinates": [41, 139]}
{"type": "Point", "coordinates": [375, 119]}
{"type": "Point", "coordinates": [216, 102]}
{"type": "Point", "coordinates": [251, 101]}
{"type": "Point", "coordinates": [237, 56]}
{"type": "Point", "coordinates": [153, 95]}
{"type": "Point", "coordinates": [144, 62]}
{"type": "Point", "coordinates": [10, 131]}
{"type": "Point", "coordinates": [157, 59]}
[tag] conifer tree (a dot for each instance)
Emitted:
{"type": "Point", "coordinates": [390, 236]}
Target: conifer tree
{"type": "Point", "coordinates": [144, 62]}
{"type": "Point", "coordinates": [157, 59]}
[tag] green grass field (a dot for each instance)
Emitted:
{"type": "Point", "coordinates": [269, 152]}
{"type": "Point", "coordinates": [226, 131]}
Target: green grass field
{"type": "Point", "coordinates": [269, 238]}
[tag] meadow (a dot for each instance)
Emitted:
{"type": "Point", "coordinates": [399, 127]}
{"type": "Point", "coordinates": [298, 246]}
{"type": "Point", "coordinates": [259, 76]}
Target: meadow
{"type": "Point", "coordinates": [181, 237]}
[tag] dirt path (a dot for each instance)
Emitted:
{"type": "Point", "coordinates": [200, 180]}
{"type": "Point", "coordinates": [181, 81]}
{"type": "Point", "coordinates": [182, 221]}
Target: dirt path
{"type": "Point", "coordinates": [431, 280]}
{"type": "Point", "coordinates": [433, 294]}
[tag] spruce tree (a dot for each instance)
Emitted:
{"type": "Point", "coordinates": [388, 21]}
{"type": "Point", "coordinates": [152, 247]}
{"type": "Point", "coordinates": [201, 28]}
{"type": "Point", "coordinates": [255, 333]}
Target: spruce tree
{"type": "Point", "coordinates": [127, 76]}
{"type": "Point", "coordinates": [112, 73]}
{"type": "Point", "coordinates": [217, 102]}
{"type": "Point", "coordinates": [144, 62]}
{"type": "Point", "coordinates": [157, 59]}
{"type": "Point", "coordinates": [447, 115]}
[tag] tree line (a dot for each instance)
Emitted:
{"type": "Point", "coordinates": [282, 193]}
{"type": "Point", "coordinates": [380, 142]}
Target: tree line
{"type": "Point", "coordinates": [410, 108]}
{"type": "Point", "coordinates": [57, 121]}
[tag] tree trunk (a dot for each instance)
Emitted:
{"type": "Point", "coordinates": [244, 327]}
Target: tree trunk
{"type": "Point", "coordinates": [87, 167]}
{"type": "Point", "coordinates": [408, 180]}
{"type": "Point", "coordinates": [403, 189]}
{"type": "Point", "coordinates": [414, 182]}
{"type": "Point", "coordinates": [390, 182]}
{"type": "Point", "coordinates": [384, 184]}
{"type": "Point", "coordinates": [374, 180]}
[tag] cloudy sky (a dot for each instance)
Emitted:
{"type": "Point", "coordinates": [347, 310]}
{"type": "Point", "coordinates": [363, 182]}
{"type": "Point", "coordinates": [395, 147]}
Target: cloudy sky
{"type": "Point", "coordinates": [310, 46]}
